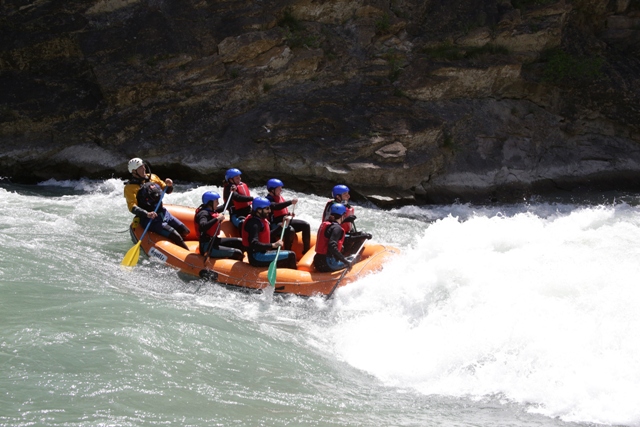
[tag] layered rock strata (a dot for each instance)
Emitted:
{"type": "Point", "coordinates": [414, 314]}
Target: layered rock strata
{"type": "Point", "coordinates": [404, 101]}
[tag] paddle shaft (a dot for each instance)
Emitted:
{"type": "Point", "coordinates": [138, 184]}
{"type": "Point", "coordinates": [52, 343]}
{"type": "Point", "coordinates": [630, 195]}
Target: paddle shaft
{"type": "Point", "coordinates": [156, 211]}
{"type": "Point", "coordinates": [271, 273]}
{"type": "Point", "coordinates": [346, 270]}
{"type": "Point", "coordinates": [226, 205]}
{"type": "Point", "coordinates": [131, 257]}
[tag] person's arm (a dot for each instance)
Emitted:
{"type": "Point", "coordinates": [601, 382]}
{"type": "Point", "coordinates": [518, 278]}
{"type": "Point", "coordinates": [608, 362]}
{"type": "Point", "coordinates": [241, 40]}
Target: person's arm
{"type": "Point", "coordinates": [139, 212]}
{"type": "Point", "coordinates": [130, 191]}
{"type": "Point", "coordinates": [277, 207]}
{"type": "Point", "coordinates": [281, 205]}
{"type": "Point", "coordinates": [204, 223]}
{"type": "Point", "coordinates": [350, 218]}
{"type": "Point", "coordinates": [168, 183]}
{"type": "Point", "coordinates": [241, 198]}
{"type": "Point", "coordinates": [334, 233]}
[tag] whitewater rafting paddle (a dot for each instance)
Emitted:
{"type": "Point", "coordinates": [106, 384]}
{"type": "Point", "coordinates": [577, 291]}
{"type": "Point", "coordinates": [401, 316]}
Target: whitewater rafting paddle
{"type": "Point", "coordinates": [272, 272]}
{"type": "Point", "coordinates": [226, 205]}
{"type": "Point", "coordinates": [131, 258]}
{"type": "Point", "coordinates": [205, 273]}
{"type": "Point", "coordinates": [346, 270]}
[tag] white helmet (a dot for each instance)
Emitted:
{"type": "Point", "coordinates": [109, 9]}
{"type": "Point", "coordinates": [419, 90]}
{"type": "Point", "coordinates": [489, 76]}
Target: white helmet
{"type": "Point", "coordinates": [134, 164]}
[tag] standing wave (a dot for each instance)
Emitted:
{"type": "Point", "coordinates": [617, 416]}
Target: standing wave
{"type": "Point", "coordinates": [541, 310]}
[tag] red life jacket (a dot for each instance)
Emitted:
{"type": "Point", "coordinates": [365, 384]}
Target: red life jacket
{"type": "Point", "coordinates": [279, 212]}
{"type": "Point", "coordinates": [264, 236]}
{"type": "Point", "coordinates": [213, 231]}
{"type": "Point", "coordinates": [242, 189]}
{"type": "Point", "coordinates": [322, 242]}
{"type": "Point", "coordinates": [346, 226]}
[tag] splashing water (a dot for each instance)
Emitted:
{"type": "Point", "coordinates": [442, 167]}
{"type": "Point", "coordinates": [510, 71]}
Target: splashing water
{"type": "Point", "coordinates": [529, 310]}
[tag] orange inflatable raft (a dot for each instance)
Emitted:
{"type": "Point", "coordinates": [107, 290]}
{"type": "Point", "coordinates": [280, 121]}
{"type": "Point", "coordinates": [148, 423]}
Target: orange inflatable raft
{"type": "Point", "coordinates": [302, 281]}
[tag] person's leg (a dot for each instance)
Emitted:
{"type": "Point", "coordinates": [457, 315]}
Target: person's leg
{"type": "Point", "coordinates": [237, 220]}
{"type": "Point", "coordinates": [320, 263]}
{"type": "Point", "coordinates": [306, 236]}
{"type": "Point", "coordinates": [170, 233]}
{"type": "Point", "coordinates": [289, 236]}
{"type": "Point", "coordinates": [348, 244]}
{"type": "Point", "coordinates": [286, 259]}
{"type": "Point", "coordinates": [156, 226]}
{"type": "Point", "coordinates": [353, 242]}
{"type": "Point", "coordinates": [232, 242]}
{"type": "Point", "coordinates": [261, 259]}
{"type": "Point", "coordinates": [204, 246]}
{"type": "Point", "coordinates": [225, 252]}
{"type": "Point", "coordinates": [165, 230]}
{"type": "Point", "coordinates": [304, 227]}
{"type": "Point", "coordinates": [177, 225]}
{"type": "Point", "coordinates": [334, 264]}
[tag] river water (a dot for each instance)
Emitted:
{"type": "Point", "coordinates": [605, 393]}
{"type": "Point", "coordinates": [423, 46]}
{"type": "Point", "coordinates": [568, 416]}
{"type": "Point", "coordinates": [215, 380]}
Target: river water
{"type": "Point", "coordinates": [511, 315]}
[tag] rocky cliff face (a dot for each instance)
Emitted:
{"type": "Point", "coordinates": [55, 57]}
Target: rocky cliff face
{"type": "Point", "coordinates": [402, 100]}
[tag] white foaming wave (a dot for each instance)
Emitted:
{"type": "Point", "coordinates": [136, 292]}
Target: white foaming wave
{"type": "Point", "coordinates": [86, 185]}
{"type": "Point", "coordinates": [540, 311]}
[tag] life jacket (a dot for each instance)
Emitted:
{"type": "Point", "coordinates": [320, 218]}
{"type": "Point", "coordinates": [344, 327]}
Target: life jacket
{"type": "Point", "coordinates": [322, 242]}
{"type": "Point", "coordinates": [148, 196]}
{"type": "Point", "coordinates": [346, 226]}
{"type": "Point", "coordinates": [132, 186]}
{"type": "Point", "coordinates": [264, 236]}
{"type": "Point", "coordinates": [242, 189]}
{"type": "Point", "coordinates": [212, 231]}
{"type": "Point", "coordinates": [279, 212]}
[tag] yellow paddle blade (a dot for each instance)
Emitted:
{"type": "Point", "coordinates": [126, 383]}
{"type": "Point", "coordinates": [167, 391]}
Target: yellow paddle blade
{"type": "Point", "coordinates": [131, 258]}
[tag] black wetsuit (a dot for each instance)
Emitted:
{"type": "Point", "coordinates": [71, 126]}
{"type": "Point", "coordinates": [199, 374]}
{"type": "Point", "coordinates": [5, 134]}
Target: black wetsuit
{"type": "Point", "coordinates": [226, 247]}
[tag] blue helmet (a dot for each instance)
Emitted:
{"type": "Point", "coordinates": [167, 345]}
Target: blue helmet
{"type": "Point", "coordinates": [231, 173]}
{"type": "Point", "coordinates": [338, 209]}
{"type": "Point", "coordinates": [274, 183]}
{"type": "Point", "coordinates": [260, 203]}
{"type": "Point", "coordinates": [340, 189]}
{"type": "Point", "coordinates": [209, 196]}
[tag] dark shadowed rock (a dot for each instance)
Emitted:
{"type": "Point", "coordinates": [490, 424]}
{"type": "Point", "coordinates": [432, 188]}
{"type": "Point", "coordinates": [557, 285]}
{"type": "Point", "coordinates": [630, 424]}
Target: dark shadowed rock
{"type": "Point", "coordinates": [404, 101]}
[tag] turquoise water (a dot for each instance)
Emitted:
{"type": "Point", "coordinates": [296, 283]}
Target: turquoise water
{"type": "Point", "coordinates": [519, 315]}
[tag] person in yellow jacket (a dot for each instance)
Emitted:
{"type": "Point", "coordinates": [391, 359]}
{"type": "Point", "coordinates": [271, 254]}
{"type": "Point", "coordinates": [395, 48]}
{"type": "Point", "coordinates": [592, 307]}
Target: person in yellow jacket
{"type": "Point", "coordinates": [141, 174]}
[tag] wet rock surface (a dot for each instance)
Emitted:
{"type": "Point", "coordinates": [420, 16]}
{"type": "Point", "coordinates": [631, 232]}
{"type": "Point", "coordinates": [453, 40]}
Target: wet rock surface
{"type": "Point", "coordinates": [404, 101]}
